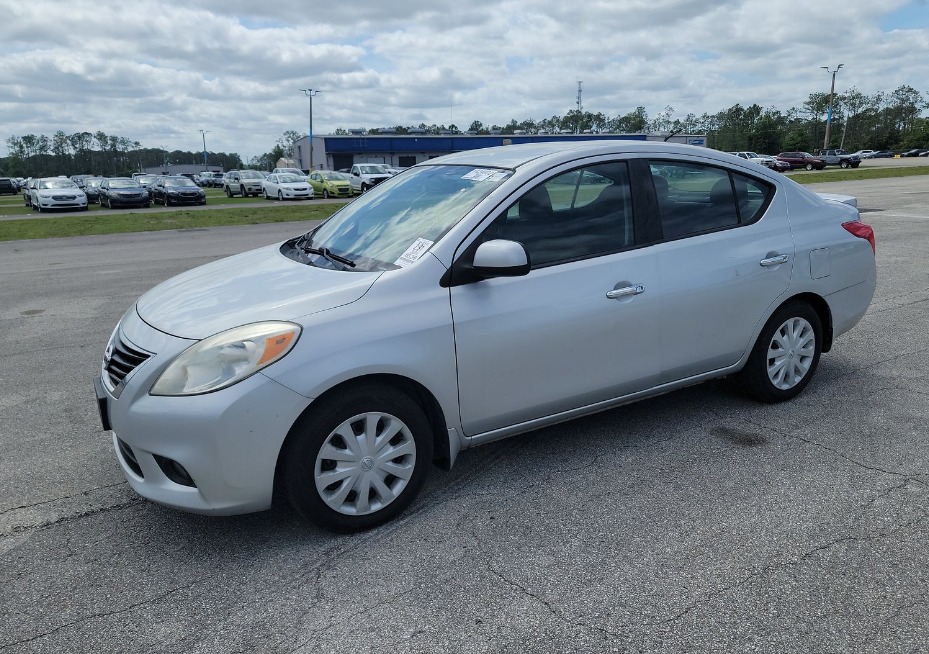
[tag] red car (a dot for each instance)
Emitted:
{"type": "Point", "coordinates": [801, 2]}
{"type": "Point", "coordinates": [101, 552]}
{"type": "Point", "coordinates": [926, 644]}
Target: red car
{"type": "Point", "coordinates": [802, 160]}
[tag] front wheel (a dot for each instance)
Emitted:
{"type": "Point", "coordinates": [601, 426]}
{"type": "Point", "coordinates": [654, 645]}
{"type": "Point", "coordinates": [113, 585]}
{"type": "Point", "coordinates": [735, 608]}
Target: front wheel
{"type": "Point", "coordinates": [364, 187]}
{"type": "Point", "coordinates": [325, 194]}
{"type": "Point", "coordinates": [809, 166]}
{"type": "Point", "coordinates": [843, 164]}
{"type": "Point", "coordinates": [280, 196]}
{"type": "Point", "coordinates": [785, 355]}
{"type": "Point", "coordinates": [358, 459]}
{"type": "Point", "coordinates": [228, 192]}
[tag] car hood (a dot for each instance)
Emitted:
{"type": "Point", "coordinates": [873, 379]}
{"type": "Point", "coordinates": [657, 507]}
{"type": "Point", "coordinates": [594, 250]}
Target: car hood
{"type": "Point", "coordinates": [258, 285]}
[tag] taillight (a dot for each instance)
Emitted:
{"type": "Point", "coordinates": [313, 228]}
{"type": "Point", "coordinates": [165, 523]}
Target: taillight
{"type": "Point", "coordinates": [859, 229]}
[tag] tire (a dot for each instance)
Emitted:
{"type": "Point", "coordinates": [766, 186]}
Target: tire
{"type": "Point", "coordinates": [389, 473]}
{"type": "Point", "coordinates": [280, 196]}
{"type": "Point", "coordinates": [325, 194]}
{"type": "Point", "coordinates": [243, 192]}
{"type": "Point", "coordinates": [39, 207]}
{"type": "Point", "coordinates": [855, 165]}
{"type": "Point", "coordinates": [267, 197]}
{"type": "Point", "coordinates": [809, 166]}
{"type": "Point", "coordinates": [364, 187]}
{"type": "Point", "coordinates": [228, 192]}
{"type": "Point", "coordinates": [843, 164]}
{"type": "Point", "coordinates": [147, 205]}
{"type": "Point", "coordinates": [786, 354]}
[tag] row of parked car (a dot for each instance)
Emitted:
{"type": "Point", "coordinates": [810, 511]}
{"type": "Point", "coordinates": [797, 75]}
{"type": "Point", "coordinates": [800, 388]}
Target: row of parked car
{"type": "Point", "coordinates": [46, 193]}
{"type": "Point", "coordinates": [296, 184]}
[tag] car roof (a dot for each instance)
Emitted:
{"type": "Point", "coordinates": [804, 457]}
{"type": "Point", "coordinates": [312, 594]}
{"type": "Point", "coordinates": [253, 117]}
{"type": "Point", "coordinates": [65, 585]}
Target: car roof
{"type": "Point", "coordinates": [513, 156]}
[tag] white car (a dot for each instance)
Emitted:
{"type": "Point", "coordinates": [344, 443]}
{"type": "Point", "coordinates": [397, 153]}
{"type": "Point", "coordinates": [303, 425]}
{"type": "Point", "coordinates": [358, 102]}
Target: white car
{"type": "Point", "coordinates": [286, 186]}
{"type": "Point", "coordinates": [476, 296]}
{"type": "Point", "coordinates": [863, 154]}
{"type": "Point", "coordinates": [56, 193]}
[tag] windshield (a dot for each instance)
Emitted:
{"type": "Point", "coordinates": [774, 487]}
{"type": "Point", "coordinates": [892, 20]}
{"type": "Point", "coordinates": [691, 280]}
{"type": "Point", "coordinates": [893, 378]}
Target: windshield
{"type": "Point", "coordinates": [251, 174]}
{"type": "Point", "coordinates": [398, 221]}
{"type": "Point", "coordinates": [290, 178]}
{"type": "Point", "coordinates": [178, 181]}
{"type": "Point", "coordinates": [57, 183]}
{"type": "Point", "coordinates": [334, 176]}
{"type": "Point", "coordinates": [124, 183]}
{"type": "Point", "coordinates": [372, 169]}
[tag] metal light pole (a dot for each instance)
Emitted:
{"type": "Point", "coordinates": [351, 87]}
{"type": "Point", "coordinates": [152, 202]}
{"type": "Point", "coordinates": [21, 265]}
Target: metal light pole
{"type": "Point", "coordinates": [831, 97]}
{"type": "Point", "coordinates": [203, 133]}
{"type": "Point", "coordinates": [310, 93]}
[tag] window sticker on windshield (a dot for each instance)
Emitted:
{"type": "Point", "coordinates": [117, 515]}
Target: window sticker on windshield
{"type": "Point", "coordinates": [480, 174]}
{"type": "Point", "coordinates": [414, 252]}
{"type": "Point", "coordinates": [497, 176]}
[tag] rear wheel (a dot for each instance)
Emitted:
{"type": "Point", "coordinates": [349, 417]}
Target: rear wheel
{"type": "Point", "coordinates": [358, 459]}
{"type": "Point", "coordinates": [785, 355]}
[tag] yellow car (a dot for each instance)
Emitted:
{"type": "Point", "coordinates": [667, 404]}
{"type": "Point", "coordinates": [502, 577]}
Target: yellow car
{"type": "Point", "coordinates": [330, 184]}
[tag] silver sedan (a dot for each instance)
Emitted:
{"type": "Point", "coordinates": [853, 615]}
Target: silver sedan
{"type": "Point", "coordinates": [286, 186]}
{"type": "Point", "coordinates": [474, 297]}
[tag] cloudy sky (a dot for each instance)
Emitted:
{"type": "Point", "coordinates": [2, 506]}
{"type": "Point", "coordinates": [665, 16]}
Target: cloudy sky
{"type": "Point", "coordinates": [159, 72]}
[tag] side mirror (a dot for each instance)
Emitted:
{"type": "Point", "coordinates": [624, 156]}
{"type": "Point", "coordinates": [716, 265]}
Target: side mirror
{"type": "Point", "coordinates": [497, 258]}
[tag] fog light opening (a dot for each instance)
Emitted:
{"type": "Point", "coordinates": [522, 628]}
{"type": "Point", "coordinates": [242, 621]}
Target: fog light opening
{"type": "Point", "coordinates": [175, 471]}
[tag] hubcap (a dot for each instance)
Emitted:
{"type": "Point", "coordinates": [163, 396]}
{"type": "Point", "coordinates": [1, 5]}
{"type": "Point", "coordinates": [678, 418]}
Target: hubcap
{"type": "Point", "coordinates": [365, 463]}
{"type": "Point", "coordinates": [790, 353]}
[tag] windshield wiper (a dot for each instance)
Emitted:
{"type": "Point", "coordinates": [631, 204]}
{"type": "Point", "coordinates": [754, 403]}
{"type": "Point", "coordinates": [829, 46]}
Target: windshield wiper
{"type": "Point", "coordinates": [304, 244]}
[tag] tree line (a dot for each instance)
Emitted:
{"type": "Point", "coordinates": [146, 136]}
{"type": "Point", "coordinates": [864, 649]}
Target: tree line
{"type": "Point", "coordinates": [97, 154]}
{"type": "Point", "coordinates": [881, 121]}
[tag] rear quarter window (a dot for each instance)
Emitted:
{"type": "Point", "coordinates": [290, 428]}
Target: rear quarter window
{"type": "Point", "coordinates": [696, 198]}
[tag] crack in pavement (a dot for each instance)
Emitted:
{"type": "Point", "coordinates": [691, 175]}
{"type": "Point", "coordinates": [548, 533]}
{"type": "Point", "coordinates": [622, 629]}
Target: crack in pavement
{"type": "Point", "coordinates": [800, 559]}
{"type": "Point", "coordinates": [94, 616]}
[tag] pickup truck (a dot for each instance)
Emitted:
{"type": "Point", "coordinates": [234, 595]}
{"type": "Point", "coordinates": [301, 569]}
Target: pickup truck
{"type": "Point", "coordinates": [839, 157]}
{"type": "Point", "coordinates": [364, 176]}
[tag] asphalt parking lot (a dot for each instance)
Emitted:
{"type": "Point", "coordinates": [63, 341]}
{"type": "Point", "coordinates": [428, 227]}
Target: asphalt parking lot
{"type": "Point", "coordinates": [699, 521]}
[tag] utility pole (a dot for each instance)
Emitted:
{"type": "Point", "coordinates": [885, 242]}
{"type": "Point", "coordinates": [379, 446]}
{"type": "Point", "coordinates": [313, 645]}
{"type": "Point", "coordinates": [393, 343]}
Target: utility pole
{"type": "Point", "coordinates": [310, 93]}
{"type": "Point", "coordinates": [203, 133]}
{"type": "Point", "coordinates": [831, 98]}
{"type": "Point", "coordinates": [577, 128]}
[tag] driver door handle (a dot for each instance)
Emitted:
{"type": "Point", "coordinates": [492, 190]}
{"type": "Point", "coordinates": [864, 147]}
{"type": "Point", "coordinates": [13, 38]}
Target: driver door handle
{"type": "Point", "coordinates": [773, 261]}
{"type": "Point", "coordinates": [626, 291]}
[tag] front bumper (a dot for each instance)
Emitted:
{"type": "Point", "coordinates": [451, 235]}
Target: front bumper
{"type": "Point", "coordinates": [227, 441]}
{"type": "Point", "coordinates": [297, 194]}
{"type": "Point", "coordinates": [66, 202]}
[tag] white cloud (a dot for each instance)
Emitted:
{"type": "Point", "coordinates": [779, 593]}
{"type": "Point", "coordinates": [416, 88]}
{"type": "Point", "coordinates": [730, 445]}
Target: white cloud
{"type": "Point", "coordinates": [158, 72]}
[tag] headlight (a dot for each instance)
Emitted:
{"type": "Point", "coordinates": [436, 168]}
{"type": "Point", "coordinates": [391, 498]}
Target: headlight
{"type": "Point", "coordinates": [226, 358]}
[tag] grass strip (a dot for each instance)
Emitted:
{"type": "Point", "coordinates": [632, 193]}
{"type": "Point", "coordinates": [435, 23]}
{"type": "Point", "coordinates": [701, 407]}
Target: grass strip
{"type": "Point", "coordinates": [88, 223]}
{"type": "Point", "coordinates": [854, 174]}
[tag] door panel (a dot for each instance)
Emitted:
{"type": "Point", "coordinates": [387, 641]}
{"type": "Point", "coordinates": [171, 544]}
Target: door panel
{"type": "Point", "coordinates": [533, 346]}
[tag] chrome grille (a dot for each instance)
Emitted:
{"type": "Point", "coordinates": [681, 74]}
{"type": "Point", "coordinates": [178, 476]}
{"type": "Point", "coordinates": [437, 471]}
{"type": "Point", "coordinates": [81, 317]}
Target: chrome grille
{"type": "Point", "coordinates": [122, 360]}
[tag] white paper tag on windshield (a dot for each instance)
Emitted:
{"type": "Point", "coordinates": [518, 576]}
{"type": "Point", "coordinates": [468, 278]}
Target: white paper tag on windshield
{"type": "Point", "coordinates": [479, 174]}
{"type": "Point", "coordinates": [414, 252]}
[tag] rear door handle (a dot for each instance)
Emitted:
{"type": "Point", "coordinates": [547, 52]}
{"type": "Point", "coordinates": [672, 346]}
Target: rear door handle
{"type": "Point", "coordinates": [626, 291]}
{"type": "Point", "coordinates": [774, 261]}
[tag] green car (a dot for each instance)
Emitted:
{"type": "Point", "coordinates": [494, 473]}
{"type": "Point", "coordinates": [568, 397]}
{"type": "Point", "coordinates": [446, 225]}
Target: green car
{"type": "Point", "coordinates": [330, 184]}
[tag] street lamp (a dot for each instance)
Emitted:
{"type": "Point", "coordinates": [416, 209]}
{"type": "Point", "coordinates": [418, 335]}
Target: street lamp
{"type": "Point", "coordinates": [310, 93]}
{"type": "Point", "coordinates": [204, 133]}
{"type": "Point", "coordinates": [831, 97]}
